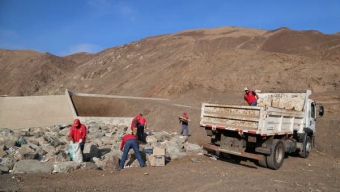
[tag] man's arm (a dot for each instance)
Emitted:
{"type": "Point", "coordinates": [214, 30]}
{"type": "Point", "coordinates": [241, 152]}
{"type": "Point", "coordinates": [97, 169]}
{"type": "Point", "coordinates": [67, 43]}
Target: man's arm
{"type": "Point", "coordinates": [254, 93]}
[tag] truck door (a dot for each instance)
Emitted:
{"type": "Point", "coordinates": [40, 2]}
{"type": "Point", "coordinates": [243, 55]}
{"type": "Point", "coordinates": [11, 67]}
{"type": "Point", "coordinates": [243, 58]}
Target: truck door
{"type": "Point", "coordinates": [312, 116]}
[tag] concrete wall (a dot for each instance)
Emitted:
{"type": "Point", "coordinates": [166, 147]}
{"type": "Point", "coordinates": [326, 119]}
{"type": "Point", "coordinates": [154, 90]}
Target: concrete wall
{"type": "Point", "coordinates": [35, 111]}
{"type": "Point", "coordinates": [38, 111]}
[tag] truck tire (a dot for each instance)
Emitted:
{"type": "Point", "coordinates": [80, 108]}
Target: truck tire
{"type": "Point", "coordinates": [277, 155]}
{"type": "Point", "coordinates": [306, 147]}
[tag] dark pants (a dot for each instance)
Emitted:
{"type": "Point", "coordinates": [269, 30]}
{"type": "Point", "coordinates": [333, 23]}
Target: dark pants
{"type": "Point", "coordinates": [82, 145]}
{"type": "Point", "coordinates": [131, 143]}
{"type": "Point", "coordinates": [140, 133]}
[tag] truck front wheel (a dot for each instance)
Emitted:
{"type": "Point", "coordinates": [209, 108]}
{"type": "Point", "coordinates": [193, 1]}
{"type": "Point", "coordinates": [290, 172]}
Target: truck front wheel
{"type": "Point", "coordinates": [277, 155]}
{"type": "Point", "coordinates": [307, 147]}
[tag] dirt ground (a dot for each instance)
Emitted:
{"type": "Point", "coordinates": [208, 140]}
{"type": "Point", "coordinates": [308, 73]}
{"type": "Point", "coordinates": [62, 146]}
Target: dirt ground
{"type": "Point", "coordinates": [317, 173]}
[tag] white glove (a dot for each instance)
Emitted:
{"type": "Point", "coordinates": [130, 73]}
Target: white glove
{"type": "Point", "coordinates": [71, 142]}
{"type": "Point", "coordinates": [80, 140]}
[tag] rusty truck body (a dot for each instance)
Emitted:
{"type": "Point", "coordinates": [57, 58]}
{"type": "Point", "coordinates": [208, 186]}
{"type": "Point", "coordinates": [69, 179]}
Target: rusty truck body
{"type": "Point", "coordinates": [280, 123]}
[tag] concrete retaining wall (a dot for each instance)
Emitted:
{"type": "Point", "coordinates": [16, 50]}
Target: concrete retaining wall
{"type": "Point", "coordinates": [34, 111]}
{"type": "Point", "coordinates": [38, 111]}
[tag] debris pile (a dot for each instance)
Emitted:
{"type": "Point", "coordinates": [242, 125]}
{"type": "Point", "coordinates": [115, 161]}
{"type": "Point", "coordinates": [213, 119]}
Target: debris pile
{"type": "Point", "coordinates": [45, 149]}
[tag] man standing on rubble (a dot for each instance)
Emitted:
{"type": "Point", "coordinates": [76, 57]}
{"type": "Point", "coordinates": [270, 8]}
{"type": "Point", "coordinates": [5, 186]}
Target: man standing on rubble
{"type": "Point", "coordinates": [184, 120]}
{"type": "Point", "coordinates": [250, 97]}
{"type": "Point", "coordinates": [78, 133]}
{"type": "Point", "coordinates": [130, 141]}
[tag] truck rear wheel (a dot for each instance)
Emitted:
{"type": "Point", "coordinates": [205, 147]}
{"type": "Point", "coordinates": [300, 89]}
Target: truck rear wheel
{"type": "Point", "coordinates": [277, 155]}
{"type": "Point", "coordinates": [307, 147]}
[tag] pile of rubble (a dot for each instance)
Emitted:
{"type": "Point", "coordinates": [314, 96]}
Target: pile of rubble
{"type": "Point", "coordinates": [45, 149]}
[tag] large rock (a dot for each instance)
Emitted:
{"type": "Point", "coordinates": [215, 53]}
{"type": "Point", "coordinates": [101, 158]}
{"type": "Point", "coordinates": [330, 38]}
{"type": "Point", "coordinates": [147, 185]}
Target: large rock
{"type": "Point", "coordinates": [9, 161]}
{"type": "Point", "coordinates": [49, 149]}
{"type": "Point", "coordinates": [90, 151]}
{"type": "Point", "coordinates": [174, 150]}
{"type": "Point", "coordinates": [2, 153]}
{"type": "Point", "coordinates": [112, 164]}
{"type": "Point", "coordinates": [161, 136]}
{"type": "Point", "coordinates": [64, 132]}
{"type": "Point", "coordinates": [32, 166]}
{"type": "Point", "coordinates": [52, 140]}
{"type": "Point", "coordinates": [107, 140]}
{"type": "Point", "coordinates": [8, 135]}
{"type": "Point", "coordinates": [180, 140]}
{"type": "Point", "coordinates": [25, 152]}
{"type": "Point", "coordinates": [66, 167]}
{"type": "Point", "coordinates": [151, 139]}
{"type": "Point", "coordinates": [3, 169]}
{"type": "Point", "coordinates": [192, 148]}
{"type": "Point", "coordinates": [88, 166]}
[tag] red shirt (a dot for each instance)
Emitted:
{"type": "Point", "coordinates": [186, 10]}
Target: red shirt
{"type": "Point", "coordinates": [185, 122]}
{"type": "Point", "coordinates": [78, 133]}
{"type": "Point", "coordinates": [125, 138]}
{"type": "Point", "coordinates": [142, 120]}
{"type": "Point", "coordinates": [250, 97]}
{"type": "Point", "coordinates": [135, 121]}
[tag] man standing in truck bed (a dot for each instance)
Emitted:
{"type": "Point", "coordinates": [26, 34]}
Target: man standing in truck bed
{"type": "Point", "coordinates": [250, 97]}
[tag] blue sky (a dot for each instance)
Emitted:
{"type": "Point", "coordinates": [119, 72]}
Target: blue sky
{"type": "Point", "coordinates": [63, 27]}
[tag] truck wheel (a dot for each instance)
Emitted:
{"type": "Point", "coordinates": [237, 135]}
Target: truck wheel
{"type": "Point", "coordinates": [307, 147]}
{"type": "Point", "coordinates": [277, 155]}
{"type": "Point", "coordinates": [263, 163]}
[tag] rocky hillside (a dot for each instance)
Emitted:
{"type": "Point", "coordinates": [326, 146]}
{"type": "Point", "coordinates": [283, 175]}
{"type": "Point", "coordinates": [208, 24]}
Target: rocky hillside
{"type": "Point", "coordinates": [223, 59]}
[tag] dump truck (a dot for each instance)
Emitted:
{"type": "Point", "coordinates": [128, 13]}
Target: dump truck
{"type": "Point", "coordinates": [281, 123]}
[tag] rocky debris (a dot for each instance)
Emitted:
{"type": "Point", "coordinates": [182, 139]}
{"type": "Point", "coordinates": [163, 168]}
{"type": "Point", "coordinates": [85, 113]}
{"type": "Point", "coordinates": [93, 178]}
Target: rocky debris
{"type": "Point", "coordinates": [45, 149]}
{"type": "Point", "coordinates": [66, 167]}
{"type": "Point", "coordinates": [32, 166]}
{"type": "Point", "coordinates": [3, 169]}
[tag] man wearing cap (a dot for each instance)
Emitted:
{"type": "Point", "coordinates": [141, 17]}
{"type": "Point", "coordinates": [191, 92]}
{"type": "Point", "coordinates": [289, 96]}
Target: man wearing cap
{"type": "Point", "coordinates": [130, 141]}
{"type": "Point", "coordinates": [184, 120]}
{"type": "Point", "coordinates": [250, 97]}
{"type": "Point", "coordinates": [78, 134]}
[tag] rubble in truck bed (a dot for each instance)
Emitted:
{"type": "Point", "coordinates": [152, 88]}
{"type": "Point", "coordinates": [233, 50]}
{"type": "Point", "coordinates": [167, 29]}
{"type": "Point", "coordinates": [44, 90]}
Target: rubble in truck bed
{"type": "Point", "coordinates": [45, 149]}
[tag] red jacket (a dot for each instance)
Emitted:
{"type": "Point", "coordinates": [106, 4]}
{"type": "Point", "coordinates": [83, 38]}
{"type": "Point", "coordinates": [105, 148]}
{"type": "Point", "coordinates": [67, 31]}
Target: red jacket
{"type": "Point", "coordinates": [142, 120]}
{"type": "Point", "coordinates": [135, 122]}
{"type": "Point", "coordinates": [77, 133]}
{"type": "Point", "coordinates": [185, 122]}
{"type": "Point", "coordinates": [125, 138]}
{"type": "Point", "coordinates": [250, 97]}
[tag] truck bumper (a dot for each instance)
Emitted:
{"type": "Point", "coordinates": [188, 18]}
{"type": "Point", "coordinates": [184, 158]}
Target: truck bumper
{"type": "Point", "coordinates": [242, 154]}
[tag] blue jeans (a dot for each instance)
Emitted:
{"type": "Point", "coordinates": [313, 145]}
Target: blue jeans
{"type": "Point", "coordinates": [186, 129]}
{"type": "Point", "coordinates": [140, 132]}
{"type": "Point", "coordinates": [131, 143]}
{"type": "Point", "coordinates": [253, 103]}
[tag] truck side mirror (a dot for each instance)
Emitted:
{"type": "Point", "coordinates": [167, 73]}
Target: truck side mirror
{"type": "Point", "coordinates": [321, 110]}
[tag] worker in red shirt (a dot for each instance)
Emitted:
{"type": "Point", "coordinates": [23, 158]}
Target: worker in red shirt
{"type": "Point", "coordinates": [130, 141]}
{"type": "Point", "coordinates": [184, 120]}
{"type": "Point", "coordinates": [250, 97]}
{"type": "Point", "coordinates": [78, 134]}
{"type": "Point", "coordinates": [141, 126]}
{"type": "Point", "coordinates": [135, 124]}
